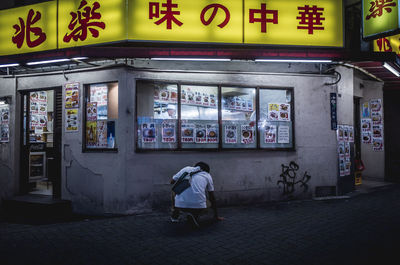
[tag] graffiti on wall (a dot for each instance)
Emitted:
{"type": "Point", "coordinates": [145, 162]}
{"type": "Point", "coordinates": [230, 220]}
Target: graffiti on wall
{"type": "Point", "coordinates": [290, 181]}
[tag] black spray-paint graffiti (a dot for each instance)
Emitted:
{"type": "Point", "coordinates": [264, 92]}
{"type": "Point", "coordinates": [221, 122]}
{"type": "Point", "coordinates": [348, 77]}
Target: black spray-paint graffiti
{"type": "Point", "coordinates": [288, 179]}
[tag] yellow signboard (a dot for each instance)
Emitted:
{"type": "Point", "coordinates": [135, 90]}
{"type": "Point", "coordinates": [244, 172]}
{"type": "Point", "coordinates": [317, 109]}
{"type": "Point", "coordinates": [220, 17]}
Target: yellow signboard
{"type": "Point", "coordinates": [380, 17]}
{"type": "Point", "coordinates": [86, 22]}
{"type": "Point", "coordinates": [28, 29]}
{"type": "Point", "coordinates": [388, 44]}
{"type": "Point", "coordinates": [294, 22]}
{"type": "Point", "coordinates": [183, 20]}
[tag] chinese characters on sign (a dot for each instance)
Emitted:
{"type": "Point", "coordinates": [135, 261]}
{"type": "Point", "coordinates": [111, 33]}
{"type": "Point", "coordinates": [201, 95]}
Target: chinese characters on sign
{"type": "Point", "coordinates": [310, 16]}
{"type": "Point", "coordinates": [24, 30]}
{"type": "Point", "coordinates": [263, 19]}
{"type": "Point", "coordinates": [380, 17]}
{"type": "Point", "coordinates": [377, 7]}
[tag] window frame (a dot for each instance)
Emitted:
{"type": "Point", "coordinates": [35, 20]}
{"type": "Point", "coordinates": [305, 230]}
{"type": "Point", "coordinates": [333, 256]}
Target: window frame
{"type": "Point", "coordinates": [85, 88]}
{"type": "Point", "coordinates": [179, 148]}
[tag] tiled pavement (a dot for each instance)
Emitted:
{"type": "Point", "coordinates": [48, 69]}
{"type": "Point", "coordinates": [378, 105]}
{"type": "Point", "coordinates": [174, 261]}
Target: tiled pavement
{"type": "Point", "coordinates": [361, 230]}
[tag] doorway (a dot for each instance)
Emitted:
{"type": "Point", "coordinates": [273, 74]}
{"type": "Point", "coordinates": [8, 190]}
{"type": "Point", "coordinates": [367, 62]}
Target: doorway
{"type": "Point", "coordinates": [41, 142]}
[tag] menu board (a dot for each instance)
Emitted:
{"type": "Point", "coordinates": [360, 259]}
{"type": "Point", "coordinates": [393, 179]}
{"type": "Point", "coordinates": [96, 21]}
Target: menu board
{"type": "Point", "coordinates": [270, 134]}
{"type": "Point", "coordinates": [372, 124]}
{"type": "Point", "coordinates": [4, 124]}
{"type": "Point", "coordinates": [230, 134]}
{"type": "Point", "coordinates": [149, 133]}
{"type": "Point", "coordinates": [168, 132]}
{"type": "Point", "coordinates": [187, 134]}
{"type": "Point", "coordinates": [99, 94]}
{"type": "Point", "coordinates": [283, 134]}
{"type": "Point", "coordinates": [278, 112]}
{"type": "Point", "coordinates": [212, 133]}
{"type": "Point", "coordinates": [71, 120]}
{"type": "Point", "coordinates": [91, 111]}
{"type": "Point", "coordinates": [247, 134]}
{"type": "Point", "coordinates": [72, 96]}
{"type": "Point", "coordinates": [201, 134]}
{"type": "Point", "coordinates": [38, 115]}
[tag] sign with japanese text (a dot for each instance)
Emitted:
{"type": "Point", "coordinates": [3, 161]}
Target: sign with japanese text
{"type": "Point", "coordinates": [388, 44]}
{"type": "Point", "coordinates": [28, 29]}
{"type": "Point", "coordinates": [380, 17]}
{"type": "Point", "coordinates": [86, 22]}
{"type": "Point", "coordinates": [294, 22]}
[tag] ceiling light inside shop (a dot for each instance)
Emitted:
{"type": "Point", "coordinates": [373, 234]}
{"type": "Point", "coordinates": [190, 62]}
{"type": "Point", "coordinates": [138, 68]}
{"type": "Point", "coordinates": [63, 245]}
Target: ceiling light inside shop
{"type": "Point", "coordinates": [391, 69]}
{"type": "Point", "coordinates": [9, 65]}
{"type": "Point", "coordinates": [192, 59]}
{"type": "Point", "coordinates": [48, 61]}
{"type": "Point", "coordinates": [80, 58]}
{"type": "Point", "coordinates": [292, 61]}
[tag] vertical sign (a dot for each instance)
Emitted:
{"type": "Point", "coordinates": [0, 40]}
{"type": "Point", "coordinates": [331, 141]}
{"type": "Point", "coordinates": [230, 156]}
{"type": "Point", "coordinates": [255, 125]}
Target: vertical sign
{"type": "Point", "coordinates": [333, 102]}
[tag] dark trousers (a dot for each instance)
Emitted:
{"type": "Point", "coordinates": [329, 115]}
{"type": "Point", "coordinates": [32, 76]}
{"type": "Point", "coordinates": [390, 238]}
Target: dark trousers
{"type": "Point", "coordinates": [194, 211]}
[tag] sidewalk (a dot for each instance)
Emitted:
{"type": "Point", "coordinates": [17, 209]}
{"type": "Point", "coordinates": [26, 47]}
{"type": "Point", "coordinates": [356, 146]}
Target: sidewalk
{"type": "Point", "coordinates": [358, 230]}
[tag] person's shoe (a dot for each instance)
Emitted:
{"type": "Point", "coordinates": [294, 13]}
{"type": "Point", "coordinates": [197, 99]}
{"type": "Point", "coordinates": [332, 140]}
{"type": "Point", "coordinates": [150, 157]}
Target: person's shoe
{"type": "Point", "coordinates": [174, 220]}
{"type": "Point", "coordinates": [193, 220]}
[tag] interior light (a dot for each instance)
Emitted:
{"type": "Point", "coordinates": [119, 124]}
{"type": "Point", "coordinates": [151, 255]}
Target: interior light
{"type": "Point", "coordinates": [2, 102]}
{"type": "Point", "coordinates": [48, 61]}
{"type": "Point", "coordinates": [80, 58]}
{"type": "Point", "coordinates": [193, 59]}
{"type": "Point", "coordinates": [9, 65]}
{"type": "Point", "coordinates": [292, 61]}
{"type": "Point", "coordinates": [391, 69]}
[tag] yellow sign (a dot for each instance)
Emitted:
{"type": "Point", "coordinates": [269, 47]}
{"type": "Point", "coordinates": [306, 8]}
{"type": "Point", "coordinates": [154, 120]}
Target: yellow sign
{"type": "Point", "coordinates": [380, 17]}
{"type": "Point", "coordinates": [28, 29]}
{"type": "Point", "coordinates": [388, 44]}
{"type": "Point", "coordinates": [183, 20]}
{"type": "Point", "coordinates": [294, 22]}
{"type": "Point", "coordinates": [86, 22]}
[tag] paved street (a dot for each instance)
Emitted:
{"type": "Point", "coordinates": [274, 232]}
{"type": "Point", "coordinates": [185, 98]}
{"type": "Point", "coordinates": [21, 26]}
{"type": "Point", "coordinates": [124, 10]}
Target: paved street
{"type": "Point", "coordinates": [361, 230]}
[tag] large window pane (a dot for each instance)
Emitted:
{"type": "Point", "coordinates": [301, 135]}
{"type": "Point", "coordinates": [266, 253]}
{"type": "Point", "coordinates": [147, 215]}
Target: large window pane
{"type": "Point", "coordinates": [275, 124]}
{"type": "Point", "coordinates": [199, 115]}
{"type": "Point", "coordinates": [101, 116]}
{"type": "Point", "coordinates": [238, 117]}
{"type": "Point", "coordinates": [157, 115]}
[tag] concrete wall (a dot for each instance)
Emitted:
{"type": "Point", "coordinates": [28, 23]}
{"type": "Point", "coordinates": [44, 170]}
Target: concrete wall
{"type": "Point", "coordinates": [130, 182]}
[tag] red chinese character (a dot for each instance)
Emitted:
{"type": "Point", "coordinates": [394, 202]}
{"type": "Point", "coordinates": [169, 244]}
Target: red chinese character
{"type": "Point", "coordinates": [384, 45]}
{"type": "Point", "coordinates": [22, 31]}
{"type": "Point", "coordinates": [215, 8]}
{"type": "Point", "coordinates": [377, 7]}
{"type": "Point", "coordinates": [82, 21]}
{"type": "Point", "coordinates": [169, 14]}
{"type": "Point", "coordinates": [263, 17]}
{"type": "Point", "coordinates": [310, 16]}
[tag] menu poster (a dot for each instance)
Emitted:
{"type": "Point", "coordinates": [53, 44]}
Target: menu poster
{"type": "Point", "coordinates": [270, 134]}
{"type": "Point", "coordinates": [213, 101]}
{"type": "Point", "coordinates": [347, 149]}
{"type": "Point", "coordinates": [91, 133]}
{"type": "Point", "coordinates": [376, 105]}
{"type": "Point", "coordinates": [347, 166]}
{"type": "Point", "coordinates": [341, 149]}
{"type": "Point", "coordinates": [168, 132]}
{"type": "Point", "coordinates": [212, 133]}
{"type": "Point", "coordinates": [71, 120]}
{"type": "Point", "coordinates": [283, 135]}
{"type": "Point", "coordinates": [198, 98]}
{"type": "Point", "coordinates": [366, 125]}
{"type": "Point", "coordinates": [238, 103]}
{"type": "Point", "coordinates": [156, 94]}
{"type": "Point", "coordinates": [351, 134]}
{"type": "Point", "coordinates": [190, 97]}
{"type": "Point", "coordinates": [365, 110]}
{"type": "Point", "coordinates": [366, 137]}
{"type": "Point", "coordinates": [164, 95]}
{"type": "Point", "coordinates": [34, 121]}
{"type": "Point", "coordinates": [201, 134]}
{"type": "Point", "coordinates": [42, 120]}
{"type": "Point", "coordinates": [4, 134]}
{"type": "Point", "coordinates": [149, 134]}
{"type": "Point", "coordinates": [34, 107]}
{"type": "Point", "coordinates": [183, 96]}
{"type": "Point", "coordinates": [230, 134]}
{"type": "Point", "coordinates": [250, 105]}
{"type": "Point", "coordinates": [273, 112]}
{"type": "Point", "coordinates": [206, 99]}
{"type": "Point", "coordinates": [102, 134]}
{"type": "Point", "coordinates": [4, 115]}
{"type": "Point", "coordinates": [173, 95]}
{"type": "Point", "coordinates": [376, 118]}
{"type": "Point", "coordinates": [377, 144]}
{"type": "Point", "coordinates": [72, 95]}
{"type": "Point", "coordinates": [284, 112]}
{"type": "Point", "coordinates": [42, 97]}
{"type": "Point", "coordinates": [340, 133]}
{"type": "Point", "coordinates": [187, 133]}
{"type": "Point", "coordinates": [91, 111]}
{"type": "Point", "coordinates": [342, 167]}
{"type": "Point", "coordinates": [377, 131]}
{"type": "Point", "coordinates": [345, 133]}
{"type": "Point", "coordinates": [99, 94]}
{"type": "Point", "coordinates": [42, 108]}
{"type": "Point", "coordinates": [247, 134]}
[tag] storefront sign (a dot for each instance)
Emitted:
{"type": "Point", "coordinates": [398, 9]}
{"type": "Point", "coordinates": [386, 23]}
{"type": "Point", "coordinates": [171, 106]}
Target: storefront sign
{"type": "Point", "coordinates": [87, 22]}
{"type": "Point", "coordinates": [388, 44]}
{"type": "Point", "coordinates": [333, 102]}
{"type": "Point", "coordinates": [28, 29]}
{"type": "Point", "coordinates": [380, 17]}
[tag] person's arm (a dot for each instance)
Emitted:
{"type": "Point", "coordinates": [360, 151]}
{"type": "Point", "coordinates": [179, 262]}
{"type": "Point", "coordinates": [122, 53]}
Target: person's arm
{"type": "Point", "coordinates": [214, 205]}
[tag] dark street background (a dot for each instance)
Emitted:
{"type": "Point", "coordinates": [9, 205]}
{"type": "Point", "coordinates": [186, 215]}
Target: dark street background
{"type": "Point", "coordinates": [363, 229]}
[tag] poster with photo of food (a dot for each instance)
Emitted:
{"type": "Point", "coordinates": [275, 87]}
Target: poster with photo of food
{"type": "Point", "coordinates": [366, 137]}
{"type": "Point", "coordinates": [71, 120]}
{"type": "Point", "coordinates": [270, 134]}
{"type": "Point", "coordinates": [238, 103]}
{"type": "Point", "coordinates": [201, 134]}
{"type": "Point", "coordinates": [4, 133]}
{"type": "Point", "coordinates": [198, 98]}
{"type": "Point", "coordinates": [72, 96]}
{"type": "Point", "coordinates": [377, 144]}
{"type": "Point", "coordinates": [342, 167]}
{"type": "Point", "coordinates": [164, 94]}
{"type": "Point", "coordinates": [284, 112]}
{"type": "Point", "coordinates": [168, 133]}
{"type": "Point", "coordinates": [183, 97]}
{"type": "Point", "coordinates": [247, 134]}
{"type": "Point", "coordinates": [213, 101]}
{"type": "Point", "coordinates": [341, 149]}
{"type": "Point", "coordinates": [42, 96]}
{"type": "Point", "coordinates": [99, 94]}
{"type": "Point", "coordinates": [34, 107]}
{"type": "Point", "coordinates": [42, 108]}
{"type": "Point", "coordinates": [377, 131]}
{"type": "Point", "coordinates": [365, 110]}
{"type": "Point", "coordinates": [102, 134]}
{"type": "Point", "coordinates": [91, 134]}
{"type": "Point", "coordinates": [283, 134]}
{"type": "Point", "coordinates": [149, 133]}
{"type": "Point", "coordinates": [375, 105]}
{"type": "Point", "coordinates": [345, 133]}
{"type": "Point", "coordinates": [346, 149]}
{"type": "Point", "coordinates": [190, 97]}
{"type": "Point", "coordinates": [212, 133]}
{"type": "Point", "coordinates": [347, 168]}
{"type": "Point", "coordinates": [351, 134]}
{"type": "Point", "coordinates": [273, 112]}
{"type": "Point", "coordinates": [206, 99]}
{"type": "Point", "coordinates": [366, 125]}
{"type": "Point", "coordinates": [230, 134]}
{"type": "Point", "coordinates": [187, 133]}
{"type": "Point", "coordinates": [250, 106]}
{"type": "Point", "coordinates": [376, 118]}
{"type": "Point", "coordinates": [156, 94]}
{"type": "Point", "coordinates": [42, 120]}
{"type": "Point", "coordinates": [173, 96]}
{"type": "Point", "coordinates": [4, 115]}
{"type": "Point", "coordinates": [91, 111]}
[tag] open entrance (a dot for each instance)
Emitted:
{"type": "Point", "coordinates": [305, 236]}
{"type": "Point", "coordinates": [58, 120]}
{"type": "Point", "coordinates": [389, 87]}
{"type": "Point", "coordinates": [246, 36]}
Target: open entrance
{"type": "Point", "coordinates": [41, 142]}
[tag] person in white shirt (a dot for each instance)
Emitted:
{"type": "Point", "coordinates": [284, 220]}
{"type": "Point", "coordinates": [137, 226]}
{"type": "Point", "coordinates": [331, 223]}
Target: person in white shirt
{"type": "Point", "coordinates": [193, 200]}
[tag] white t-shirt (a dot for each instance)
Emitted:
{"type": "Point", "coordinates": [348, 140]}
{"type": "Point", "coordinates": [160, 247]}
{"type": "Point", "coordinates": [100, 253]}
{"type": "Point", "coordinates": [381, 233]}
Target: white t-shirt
{"type": "Point", "coordinates": [195, 195]}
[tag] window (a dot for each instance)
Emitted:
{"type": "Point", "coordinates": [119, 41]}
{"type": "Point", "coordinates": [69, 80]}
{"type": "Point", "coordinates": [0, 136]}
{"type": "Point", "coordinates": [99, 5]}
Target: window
{"type": "Point", "coordinates": [101, 116]}
{"type": "Point", "coordinates": [192, 117]}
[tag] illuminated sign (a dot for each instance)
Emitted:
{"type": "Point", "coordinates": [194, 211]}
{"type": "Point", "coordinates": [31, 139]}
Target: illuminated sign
{"type": "Point", "coordinates": [380, 17]}
{"type": "Point", "coordinates": [388, 44]}
{"type": "Point", "coordinates": [28, 29]}
{"type": "Point", "coordinates": [90, 22]}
